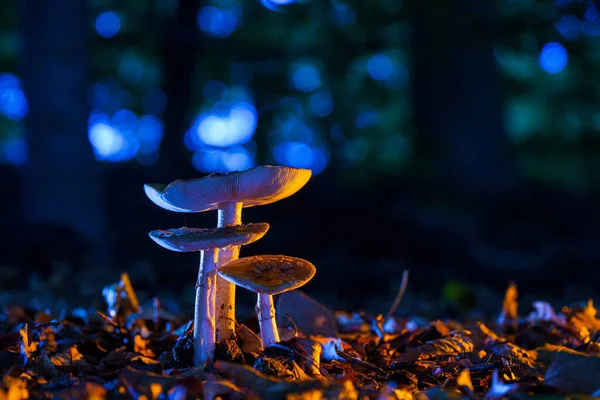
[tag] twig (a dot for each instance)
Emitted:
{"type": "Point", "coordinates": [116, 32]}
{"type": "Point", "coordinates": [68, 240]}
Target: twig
{"type": "Point", "coordinates": [289, 317]}
{"type": "Point", "coordinates": [399, 296]}
{"type": "Point", "coordinates": [364, 364]}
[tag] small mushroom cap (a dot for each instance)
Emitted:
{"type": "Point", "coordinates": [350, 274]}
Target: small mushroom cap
{"type": "Point", "coordinates": [268, 274]}
{"type": "Point", "coordinates": [253, 187]}
{"type": "Point", "coordinates": [197, 239]}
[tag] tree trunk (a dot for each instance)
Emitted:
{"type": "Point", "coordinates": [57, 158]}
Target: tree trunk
{"type": "Point", "coordinates": [458, 100]}
{"type": "Point", "coordinates": [181, 48]}
{"type": "Point", "coordinates": [62, 190]}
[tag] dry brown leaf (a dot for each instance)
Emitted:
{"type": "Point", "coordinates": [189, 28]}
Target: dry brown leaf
{"type": "Point", "coordinates": [67, 357]}
{"type": "Point", "coordinates": [574, 373]}
{"type": "Point", "coordinates": [250, 342]}
{"type": "Point", "coordinates": [464, 379]}
{"type": "Point", "coordinates": [510, 306]}
{"type": "Point", "coordinates": [454, 345]}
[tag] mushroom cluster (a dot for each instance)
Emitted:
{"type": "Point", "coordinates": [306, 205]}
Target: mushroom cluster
{"type": "Point", "coordinates": [220, 268]}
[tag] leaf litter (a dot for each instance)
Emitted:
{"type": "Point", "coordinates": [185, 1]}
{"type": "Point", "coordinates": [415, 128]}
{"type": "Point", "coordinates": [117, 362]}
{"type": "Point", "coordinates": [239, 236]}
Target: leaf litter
{"type": "Point", "coordinates": [130, 351]}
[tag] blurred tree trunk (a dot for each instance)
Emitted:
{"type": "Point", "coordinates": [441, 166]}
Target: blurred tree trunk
{"type": "Point", "coordinates": [181, 48]}
{"type": "Point", "coordinates": [63, 205]}
{"type": "Point", "coordinates": [458, 100]}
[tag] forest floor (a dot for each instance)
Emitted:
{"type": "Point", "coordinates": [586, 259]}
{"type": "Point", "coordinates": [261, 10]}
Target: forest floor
{"type": "Point", "coordinates": [61, 339]}
{"type": "Point", "coordinates": [132, 350]}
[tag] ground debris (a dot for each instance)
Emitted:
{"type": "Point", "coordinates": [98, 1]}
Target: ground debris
{"type": "Point", "coordinates": [133, 350]}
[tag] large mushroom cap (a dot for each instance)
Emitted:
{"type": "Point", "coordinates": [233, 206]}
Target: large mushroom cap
{"type": "Point", "coordinates": [253, 187]}
{"type": "Point", "coordinates": [197, 239]}
{"type": "Point", "coordinates": [268, 274]}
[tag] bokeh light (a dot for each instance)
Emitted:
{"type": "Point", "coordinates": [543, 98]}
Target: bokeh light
{"type": "Point", "coordinates": [109, 96]}
{"type": "Point", "coordinates": [367, 119]}
{"type": "Point", "coordinates": [131, 67]}
{"type": "Point", "coordinates": [305, 77]}
{"type": "Point", "coordinates": [301, 155]}
{"type": "Point", "coordinates": [106, 140]}
{"type": "Point", "coordinates": [108, 24]}
{"type": "Point", "coordinates": [276, 5]}
{"type": "Point", "coordinates": [219, 22]}
{"type": "Point", "coordinates": [568, 26]}
{"type": "Point", "coordinates": [14, 150]}
{"type": "Point", "coordinates": [13, 104]}
{"type": "Point", "coordinates": [213, 90]}
{"type": "Point", "coordinates": [321, 103]}
{"type": "Point", "coordinates": [294, 129]}
{"type": "Point", "coordinates": [235, 158]}
{"type": "Point", "coordinates": [591, 12]}
{"type": "Point", "coordinates": [124, 136]}
{"type": "Point", "coordinates": [591, 28]}
{"type": "Point", "coordinates": [343, 13]}
{"type": "Point", "coordinates": [150, 132]}
{"type": "Point", "coordinates": [553, 58]}
{"type": "Point", "coordinates": [356, 151]}
{"type": "Point", "coordinates": [380, 67]}
{"type": "Point", "coordinates": [235, 124]}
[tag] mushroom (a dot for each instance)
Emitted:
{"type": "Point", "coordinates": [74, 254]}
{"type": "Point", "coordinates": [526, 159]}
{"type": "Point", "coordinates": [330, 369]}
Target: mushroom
{"type": "Point", "coordinates": [229, 193]}
{"type": "Point", "coordinates": [207, 242]}
{"type": "Point", "coordinates": [267, 276]}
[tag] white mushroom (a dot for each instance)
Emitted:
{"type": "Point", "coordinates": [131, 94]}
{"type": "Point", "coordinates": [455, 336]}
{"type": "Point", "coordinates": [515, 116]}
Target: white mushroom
{"type": "Point", "coordinates": [229, 193]}
{"type": "Point", "coordinates": [207, 242]}
{"type": "Point", "coordinates": [268, 276]}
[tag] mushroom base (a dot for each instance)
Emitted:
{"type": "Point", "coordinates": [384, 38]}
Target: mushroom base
{"type": "Point", "coordinates": [204, 313]}
{"type": "Point", "coordinates": [265, 310]}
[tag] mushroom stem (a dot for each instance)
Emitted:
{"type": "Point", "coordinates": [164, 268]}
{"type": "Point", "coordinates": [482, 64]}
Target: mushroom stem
{"type": "Point", "coordinates": [229, 214]}
{"type": "Point", "coordinates": [204, 314]}
{"type": "Point", "coordinates": [265, 310]}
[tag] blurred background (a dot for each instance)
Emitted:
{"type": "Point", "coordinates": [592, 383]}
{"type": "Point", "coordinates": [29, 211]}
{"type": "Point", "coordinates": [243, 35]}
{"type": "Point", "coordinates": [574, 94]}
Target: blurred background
{"type": "Point", "coordinates": [457, 139]}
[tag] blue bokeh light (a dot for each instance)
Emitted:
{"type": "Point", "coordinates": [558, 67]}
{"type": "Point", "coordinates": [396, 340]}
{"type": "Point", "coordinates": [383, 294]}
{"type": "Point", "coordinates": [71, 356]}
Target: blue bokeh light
{"type": "Point", "coordinates": [301, 155]}
{"type": "Point", "coordinates": [380, 67]}
{"type": "Point", "coordinates": [108, 24]}
{"type": "Point", "coordinates": [108, 96]}
{"type": "Point", "coordinates": [235, 158]}
{"type": "Point", "coordinates": [275, 5]}
{"type": "Point", "coordinates": [106, 141]}
{"type": "Point", "coordinates": [367, 119]}
{"type": "Point", "coordinates": [99, 96]}
{"type": "Point", "coordinates": [14, 150]}
{"type": "Point", "coordinates": [590, 28]}
{"type": "Point", "coordinates": [306, 77]}
{"type": "Point", "coordinates": [150, 132]}
{"type": "Point", "coordinates": [591, 13]}
{"type": "Point", "coordinates": [219, 22]}
{"type": "Point", "coordinates": [9, 81]}
{"type": "Point", "coordinates": [124, 136]}
{"type": "Point", "coordinates": [13, 104]}
{"type": "Point", "coordinates": [568, 26]}
{"type": "Point", "coordinates": [321, 103]}
{"type": "Point", "coordinates": [553, 58]}
{"type": "Point", "coordinates": [131, 68]}
{"type": "Point", "coordinates": [213, 89]}
{"type": "Point", "coordinates": [225, 125]}
{"type": "Point", "coordinates": [294, 129]}
{"type": "Point", "coordinates": [343, 14]}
